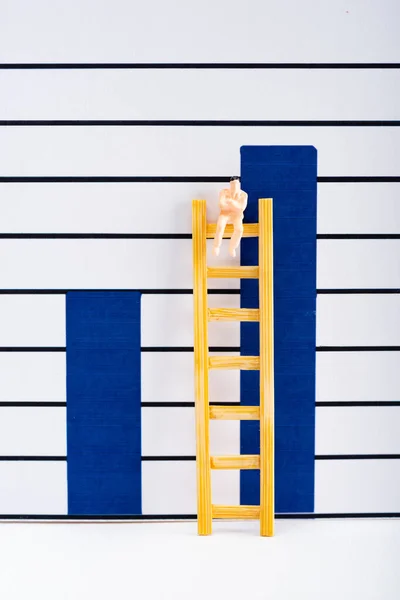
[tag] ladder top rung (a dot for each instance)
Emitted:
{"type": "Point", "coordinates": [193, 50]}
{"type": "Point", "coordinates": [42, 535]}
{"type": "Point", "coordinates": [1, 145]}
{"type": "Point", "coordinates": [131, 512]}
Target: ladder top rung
{"type": "Point", "coordinates": [233, 314]}
{"type": "Point", "coordinates": [249, 230]}
{"type": "Point", "coordinates": [251, 272]}
{"type": "Point", "coordinates": [243, 413]}
{"type": "Point", "coordinates": [246, 363]}
{"type": "Point", "coordinates": [242, 461]}
{"type": "Point", "coordinates": [235, 512]}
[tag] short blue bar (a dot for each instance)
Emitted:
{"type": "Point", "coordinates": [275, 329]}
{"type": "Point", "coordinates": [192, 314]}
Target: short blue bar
{"type": "Point", "coordinates": [103, 403]}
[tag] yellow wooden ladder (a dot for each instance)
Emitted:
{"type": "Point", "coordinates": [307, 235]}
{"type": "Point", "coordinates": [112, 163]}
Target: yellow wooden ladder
{"type": "Point", "coordinates": [206, 511]}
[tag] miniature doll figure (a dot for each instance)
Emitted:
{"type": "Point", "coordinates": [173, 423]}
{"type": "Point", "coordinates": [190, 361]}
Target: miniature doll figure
{"type": "Point", "coordinates": [232, 203]}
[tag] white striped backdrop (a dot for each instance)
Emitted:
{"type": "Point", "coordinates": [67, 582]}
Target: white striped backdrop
{"type": "Point", "coordinates": [150, 146]}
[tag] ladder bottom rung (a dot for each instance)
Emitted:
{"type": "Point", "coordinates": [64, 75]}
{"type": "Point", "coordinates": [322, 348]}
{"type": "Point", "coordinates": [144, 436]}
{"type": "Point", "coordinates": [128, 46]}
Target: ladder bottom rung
{"type": "Point", "coordinates": [235, 512]}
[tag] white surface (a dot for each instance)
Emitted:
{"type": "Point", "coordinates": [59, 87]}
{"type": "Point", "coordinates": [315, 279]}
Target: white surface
{"type": "Point", "coordinates": [356, 486]}
{"type": "Point", "coordinates": [32, 377]}
{"type": "Point", "coordinates": [119, 207]}
{"type": "Point", "coordinates": [357, 376]}
{"type": "Point", "coordinates": [39, 431]}
{"type": "Point", "coordinates": [171, 431]}
{"type": "Point", "coordinates": [357, 430]}
{"type": "Point", "coordinates": [167, 320]}
{"type": "Point", "coordinates": [341, 486]}
{"type": "Point", "coordinates": [358, 320]}
{"type": "Point", "coordinates": [160, 497]}
{"type": "Point", "coordinates": [341, 376]}
{"type": "Point", "coordinates": [213, 31]}
{"type": "Point", "coordinates": [344, 559]}
{"type": "Point", "coordinates": [188, 151]}
{"type": "Point", "coordinates": [140, 264]}
{"type": "Point", "coordinates": [33, 488]}
{"type": "Point", "coordinates": [110, 264]}
{"type": "Point", "coordinates": [339, 430]}
{"type": "Point", "coordinates": [99, 208]}
{"type": "Point", "coordinates": [262, 94]}
{"type": "Point", "coordinates": [358, 208]}
{"type": "Point", "coordinates": [358, 264]}
{"type": "Point", "coordinates": [33, 320]}
{"type": "Point", "coordinates": [175, 379]}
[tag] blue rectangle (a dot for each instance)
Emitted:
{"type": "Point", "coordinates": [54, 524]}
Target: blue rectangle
{"type": "Point", "coordinates": [103, 403]}
{"type": "Point", "coordinates": [288, 174]}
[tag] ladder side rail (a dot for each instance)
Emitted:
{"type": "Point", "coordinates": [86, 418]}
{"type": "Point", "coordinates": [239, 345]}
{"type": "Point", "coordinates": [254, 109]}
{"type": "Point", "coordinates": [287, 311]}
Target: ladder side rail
{"type": "Point", "coordinates": [202, 409]}
{"type": "Point", "coordinates": [266, 303]}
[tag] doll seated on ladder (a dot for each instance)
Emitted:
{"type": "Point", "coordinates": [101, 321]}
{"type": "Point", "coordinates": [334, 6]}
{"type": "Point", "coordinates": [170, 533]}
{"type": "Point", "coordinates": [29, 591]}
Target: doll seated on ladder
{"type": "Point", "coordinates": [232, 203]}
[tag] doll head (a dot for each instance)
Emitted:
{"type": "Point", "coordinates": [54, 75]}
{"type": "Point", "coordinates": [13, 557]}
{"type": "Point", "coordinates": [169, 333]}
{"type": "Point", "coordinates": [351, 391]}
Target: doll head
{"type": "Point", "coordinates": [234, 184]}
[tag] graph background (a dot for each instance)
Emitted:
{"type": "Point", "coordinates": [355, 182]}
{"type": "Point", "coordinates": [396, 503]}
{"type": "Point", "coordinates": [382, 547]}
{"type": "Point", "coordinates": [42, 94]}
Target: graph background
{"type": "Point", "coordinates": [98, 166]}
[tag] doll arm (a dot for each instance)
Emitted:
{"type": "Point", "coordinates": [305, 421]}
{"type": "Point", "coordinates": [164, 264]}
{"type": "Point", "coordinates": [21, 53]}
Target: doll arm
{"type": "Point", "coordinates": [224, 203]}
{"type": "Point", "coordinates": [240, 204]}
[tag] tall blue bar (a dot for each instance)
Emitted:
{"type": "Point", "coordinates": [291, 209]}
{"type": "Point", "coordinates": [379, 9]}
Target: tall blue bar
{"type": "Point", "coordinates": [288, 174]}
{"type": "Point", "coordinates": [103, 403]}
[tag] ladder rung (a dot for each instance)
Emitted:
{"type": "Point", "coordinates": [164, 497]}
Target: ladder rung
{"type": "Point", "coordinates": [246, 363]}
{"type": "Point", "coordinates": [231, 413]}
{"type": "Point", "coordinates": [249, 230]}
{"type": "Point", "coordinates": [235, 512]}
{"type": "Point", "coordinates": [233, 314]}
{"type": "Point", "coordinates": [232, 272]}
{"type": "Point", "coordinates": [243, 461]}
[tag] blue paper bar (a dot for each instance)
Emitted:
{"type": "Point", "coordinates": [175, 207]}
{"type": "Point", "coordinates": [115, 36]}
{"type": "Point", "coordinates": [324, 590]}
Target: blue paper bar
{"type": "Point", "coordinates": [288, 174]}
{"type": "Point", "coordinates": [103, 403]}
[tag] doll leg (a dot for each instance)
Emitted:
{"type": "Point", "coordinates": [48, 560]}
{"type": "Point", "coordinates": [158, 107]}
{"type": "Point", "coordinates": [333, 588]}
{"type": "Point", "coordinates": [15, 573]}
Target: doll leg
{"type": "Point", "coordinates": [236, 236]}
{"type": "Point", "coordinates": [221, 224]}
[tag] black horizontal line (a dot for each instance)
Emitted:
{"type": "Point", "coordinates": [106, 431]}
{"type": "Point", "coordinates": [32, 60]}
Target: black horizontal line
{"type": "Point", "coordinates": [96, 236]}
{"type": "Point", "coordinates": [357, 457]}
{"type": "Point", "coordinates": [334, 404]}
{"type": "Point", "coordinates": [33, 458]}
{"type": "Point", "coordinates": [358, 179]}
{"type": "Point", "coordinates": [183, 404]}
{"type": "Point", "coordinates": [359, 291]}
{"type": "Point", "coordinates": [358, 348]}
{"type": "Point", "coordinates": [188, 349]}
{"type": "Point", "coordinates": [171, 291]}
{"type": "Point", "coordinates": [211, 349]}
{"type": "Point", "coordinates": [205, 65]}
{"type": "Point", "coordinates": [359, 403]}
{"type": "Point", "coordinates": [161, 517]}
{"type": "Point", "coordinates": [143, 349]}
{"type": "Point", "coordinates": [178, 179]}
{"type": "Point", "coordinates": [212, 292]}
{"type": "Point", "coordinates": [358, 236]}
{"type": "Point", "coordinates": [194, 123]}
{"type": "Point", "coordinates": [32, 348]}
{"type": "Point", "coordinates": [114, 179]}
{"type": "Point", "coordinates": [184, 458]}
{"type": "Point", "coordinates": [366, 515]}
{"type": "Point", "coordinates": [175, 236]}
{"type": "Point", "coordinates": [168, 458]}
{"type": "Point", "coordinates": [32, 404]}
{"type": "Point", "coordinates": [167, 404]}
{"type": "Point", "coordinates": [188, 291]}
{"type": "Point", "coordinates": [191, 517]}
